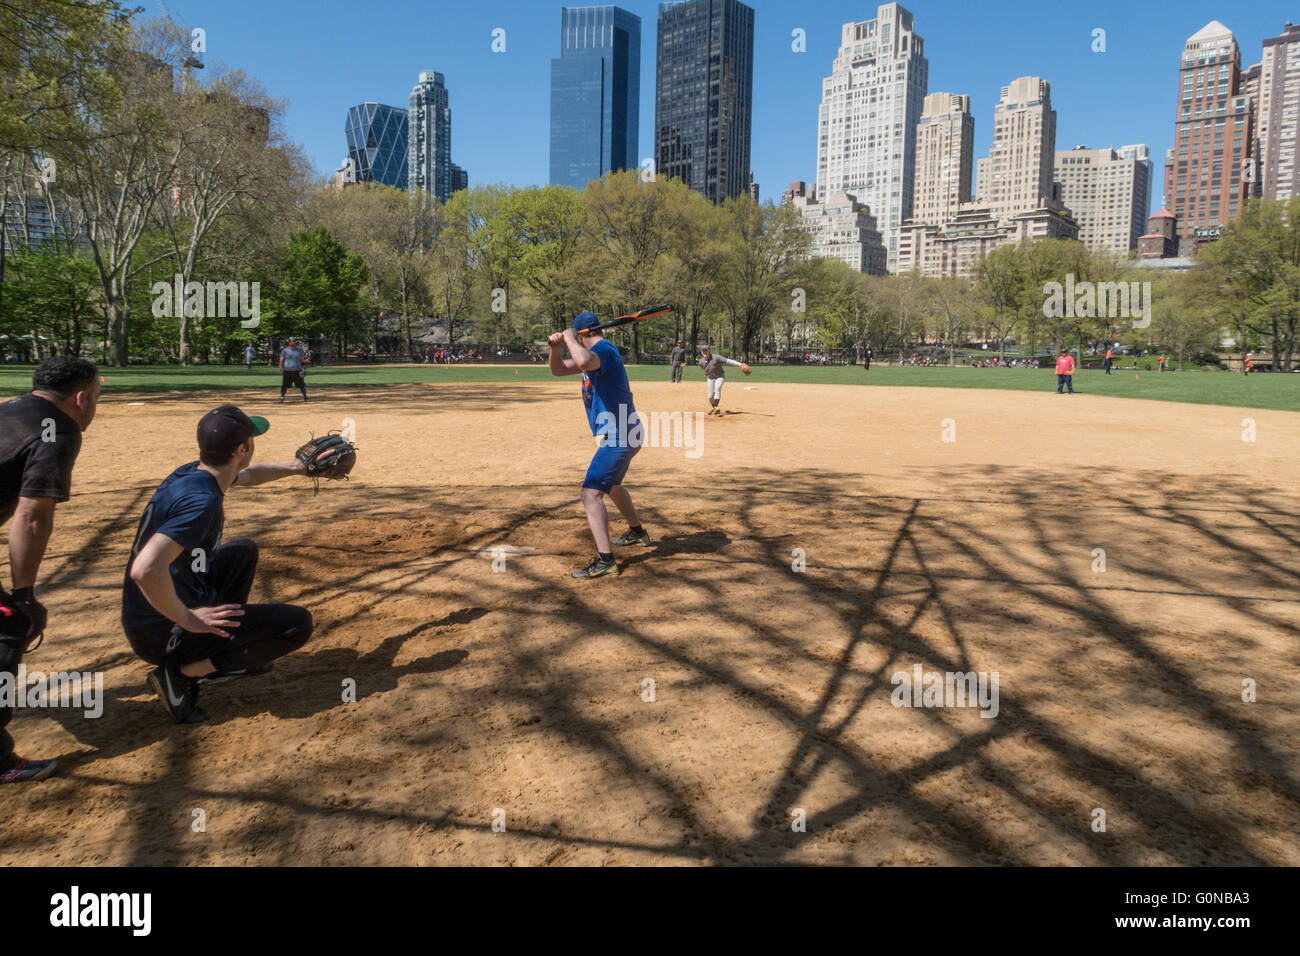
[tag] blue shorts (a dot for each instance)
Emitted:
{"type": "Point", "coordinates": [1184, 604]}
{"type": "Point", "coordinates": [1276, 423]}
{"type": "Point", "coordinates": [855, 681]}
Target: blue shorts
{"type": "Point", "coordinates": [608, 467]}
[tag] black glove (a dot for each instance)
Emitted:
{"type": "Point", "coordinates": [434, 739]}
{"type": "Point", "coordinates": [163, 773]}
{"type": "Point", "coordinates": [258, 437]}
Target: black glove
{"type": "Point", "coordinates": [24, 601]}
{"type": "Point", "coordinates": [330, 456]}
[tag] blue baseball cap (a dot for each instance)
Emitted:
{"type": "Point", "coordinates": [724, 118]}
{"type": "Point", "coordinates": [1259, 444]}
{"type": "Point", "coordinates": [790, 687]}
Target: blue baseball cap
{"type": "Point", "coordinates": [585, 320]}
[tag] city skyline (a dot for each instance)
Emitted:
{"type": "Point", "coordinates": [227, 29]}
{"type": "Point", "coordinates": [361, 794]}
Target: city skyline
{"type": "Point", "coordinates": [1092, 92]}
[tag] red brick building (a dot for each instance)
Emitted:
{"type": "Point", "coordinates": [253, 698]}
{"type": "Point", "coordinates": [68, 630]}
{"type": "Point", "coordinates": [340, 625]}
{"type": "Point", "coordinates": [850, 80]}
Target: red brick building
{"type": "Point", "coordinates": [1210, 170]}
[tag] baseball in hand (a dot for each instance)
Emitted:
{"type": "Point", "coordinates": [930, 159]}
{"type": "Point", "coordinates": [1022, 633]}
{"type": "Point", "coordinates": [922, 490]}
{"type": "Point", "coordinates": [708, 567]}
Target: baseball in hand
{"type": "Point", "coordinates": [745, 368]}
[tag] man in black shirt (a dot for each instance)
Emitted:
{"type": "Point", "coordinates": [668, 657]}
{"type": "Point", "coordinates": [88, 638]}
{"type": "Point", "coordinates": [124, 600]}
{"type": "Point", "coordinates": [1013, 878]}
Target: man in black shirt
{"type": "Point", "coordinates": [40, 437]}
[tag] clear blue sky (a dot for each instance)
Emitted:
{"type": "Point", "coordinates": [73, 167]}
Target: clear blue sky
{"type": "Point", "coordinates": [326, 55]}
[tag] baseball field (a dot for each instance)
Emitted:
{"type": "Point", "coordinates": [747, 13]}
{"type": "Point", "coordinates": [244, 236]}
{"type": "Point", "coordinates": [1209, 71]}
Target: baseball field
{"type": "Point", "coordinates": [1121, 573]}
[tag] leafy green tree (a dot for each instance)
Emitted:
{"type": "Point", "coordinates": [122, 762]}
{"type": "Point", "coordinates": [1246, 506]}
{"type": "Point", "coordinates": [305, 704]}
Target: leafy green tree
{"type": "Point", "coordinates": [316, 290]}
{"type": "Point", "coordinates": [53, 295]}
{"type": "Point", "coordinates": [1252, 274]}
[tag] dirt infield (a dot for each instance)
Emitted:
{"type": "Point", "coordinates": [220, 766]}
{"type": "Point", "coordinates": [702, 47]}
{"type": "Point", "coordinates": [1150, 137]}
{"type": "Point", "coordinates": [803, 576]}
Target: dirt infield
{"type": "Point", "coordinates": [522, 690]}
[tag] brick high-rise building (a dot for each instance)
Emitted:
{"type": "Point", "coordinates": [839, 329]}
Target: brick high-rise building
{"type": "Point", "coordinates": [1278, 115]}
{"type": "Point", "coordinates": [870, 106]}
{"type": "Point", "coordinates": [1209, 170]}
{"type": "Point", "coordinates": [945, 151]}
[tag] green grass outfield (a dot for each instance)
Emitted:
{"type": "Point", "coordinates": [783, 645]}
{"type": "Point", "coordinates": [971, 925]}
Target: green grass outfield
{"type": "Point", "coordinates": [1264, 390]}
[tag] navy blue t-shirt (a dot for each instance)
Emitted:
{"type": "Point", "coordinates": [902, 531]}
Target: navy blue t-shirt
{"type": "Point", "coordinates": [188, 508]}
{"type": "Point", "coordinates": [604, 390]}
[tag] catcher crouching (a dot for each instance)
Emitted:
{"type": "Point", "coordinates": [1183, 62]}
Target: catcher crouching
{"type": "Point", "coordinates": [185, 595]}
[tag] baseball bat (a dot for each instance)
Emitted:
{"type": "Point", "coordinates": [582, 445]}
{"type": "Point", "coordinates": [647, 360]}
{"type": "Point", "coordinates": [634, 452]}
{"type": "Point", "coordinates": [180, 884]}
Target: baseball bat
{"type": "Point", "coordinates": [641, 316]}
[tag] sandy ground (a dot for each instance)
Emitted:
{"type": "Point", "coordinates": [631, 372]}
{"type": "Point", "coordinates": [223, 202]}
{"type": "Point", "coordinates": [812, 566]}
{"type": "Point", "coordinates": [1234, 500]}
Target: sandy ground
{"type": "Point", "coordinates": [523, 694]}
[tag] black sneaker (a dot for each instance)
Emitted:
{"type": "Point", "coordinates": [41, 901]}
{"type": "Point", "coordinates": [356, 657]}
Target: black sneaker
{"type": "Point", "coordinates": [633, 537]}
{"type": "Point", "coordinates": [255, 671]}
{"type": "Point", "coordinates": [598, 568]}
{"type": "Point", "coordinates": [179, 693]}
{"type": "Point", "coordinates": [23, 771]}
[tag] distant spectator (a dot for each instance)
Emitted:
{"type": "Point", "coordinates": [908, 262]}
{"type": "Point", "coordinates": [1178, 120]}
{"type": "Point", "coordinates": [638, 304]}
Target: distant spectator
{"type": "Point", "coordinates": [677, 360]}
{"type": "Point", "coordinates": [1065, 372]}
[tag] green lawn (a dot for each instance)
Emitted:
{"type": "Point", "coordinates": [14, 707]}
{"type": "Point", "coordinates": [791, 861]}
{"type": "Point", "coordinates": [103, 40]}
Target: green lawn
{"type": "Point", "coordinates": [1279, 391]}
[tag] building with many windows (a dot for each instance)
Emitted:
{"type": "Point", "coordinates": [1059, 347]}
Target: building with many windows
{"type": "Point", "coordinates": [844, 229]}
{"type": "Point", "coordinates": [595, 94]}
{"type": "Point", "coordinates": [1277, 124]}
{"type": "Point", "coordinates": [704, 81]}
{"type": "Point", "coordinates": [945, 150]}
{"type": "Point", "coordinates": [1017, 173]}
{"type": "Point", "coordinates": [871, 103]}
{"type": "Point", "coordinates": [377, 149]}
{"type": "Point", "coordinates": [1107, 194]}
{"type": "Point", "coordinates": [1210, 170]}
{"type": "Point", "coordinates": [429, 167]}
{"type": "Point", "coordinates": [1016, 199]}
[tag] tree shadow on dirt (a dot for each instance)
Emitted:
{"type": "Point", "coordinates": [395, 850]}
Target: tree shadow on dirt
{"type": "Point", "coordinates": [949, 581]}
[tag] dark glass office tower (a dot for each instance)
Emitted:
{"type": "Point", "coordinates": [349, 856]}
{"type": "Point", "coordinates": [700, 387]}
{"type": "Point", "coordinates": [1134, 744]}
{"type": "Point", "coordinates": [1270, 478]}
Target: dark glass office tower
{"type": "Point", "coordinates": [704, 95]}
{"type": "Point", "coordinates": [595, 95]}
{"type": "Point", "coordinates": [376, 136]}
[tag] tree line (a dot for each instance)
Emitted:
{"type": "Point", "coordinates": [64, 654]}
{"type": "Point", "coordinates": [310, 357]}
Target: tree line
{"type": "Point", "coordinates": [144, 168]}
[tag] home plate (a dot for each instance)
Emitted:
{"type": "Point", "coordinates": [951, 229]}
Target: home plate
{"type": "Point", "coordinates": [134, 403]}
{"type": "Point", "coordinates": [751, 388]}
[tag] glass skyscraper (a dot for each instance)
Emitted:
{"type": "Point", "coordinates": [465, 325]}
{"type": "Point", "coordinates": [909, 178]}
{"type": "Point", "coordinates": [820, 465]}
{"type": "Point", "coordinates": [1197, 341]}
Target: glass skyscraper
{"type": "Point", "coordinates": [429, 137]}
{"type": "Point", "coordinates": [595, 94]}
{"type": "Point", "coordinates": [704, 95]}
{"type": "Point", "coordinates": [376, 136]}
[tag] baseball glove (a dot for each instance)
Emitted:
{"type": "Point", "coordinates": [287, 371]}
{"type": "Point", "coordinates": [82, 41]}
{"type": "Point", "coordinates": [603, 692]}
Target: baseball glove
{"type": "Point", "coordinates": [330, 456]}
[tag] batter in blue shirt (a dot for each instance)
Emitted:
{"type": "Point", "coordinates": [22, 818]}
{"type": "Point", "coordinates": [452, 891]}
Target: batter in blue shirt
{"type": "Point", "coordinates": [613, 420]}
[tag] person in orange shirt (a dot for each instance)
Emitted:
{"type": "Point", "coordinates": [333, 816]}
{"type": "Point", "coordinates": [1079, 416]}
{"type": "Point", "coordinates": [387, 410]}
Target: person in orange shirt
{"type": "Point", "coordinates": [1065, 372]}
{"type": "Point", "coordinates": [1110, 354]}
{"type": "Point", "coordinates": [1163, 362]}
{"type": "Point", "coordinates": [1250, 363]}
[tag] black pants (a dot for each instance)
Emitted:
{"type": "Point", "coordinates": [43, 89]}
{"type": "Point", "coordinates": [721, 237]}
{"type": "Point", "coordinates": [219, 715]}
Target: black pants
{"type": "Point", "coordinates": [265, 632]}
{"type": "Point", "coordinates": [677, 373]}
{"type": "Point", "coordinates": [295, 379]}
{"type": "Point", "coordinates": [13, 643]}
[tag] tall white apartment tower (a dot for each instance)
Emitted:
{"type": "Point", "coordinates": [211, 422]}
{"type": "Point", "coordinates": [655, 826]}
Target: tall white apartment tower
{"type": "Point", "coordinates": [1278, 116]}
{"type": "Point", "coordinates": [945, 151]}
{"type": "Point", "coordinates": [1016, 176]}
{"type": "Point", "coordinates": [870, 106]}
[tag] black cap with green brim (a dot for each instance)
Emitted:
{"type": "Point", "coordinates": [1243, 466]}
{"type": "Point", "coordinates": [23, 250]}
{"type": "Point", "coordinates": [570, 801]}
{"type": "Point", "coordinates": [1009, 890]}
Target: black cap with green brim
{"type": "Point", "coordinates": [224, 429]}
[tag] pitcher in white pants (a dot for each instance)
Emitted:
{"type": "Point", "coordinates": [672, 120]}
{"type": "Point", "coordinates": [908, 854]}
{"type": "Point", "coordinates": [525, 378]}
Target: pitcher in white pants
{"type": "Point", "coordinates": [715, 372]}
